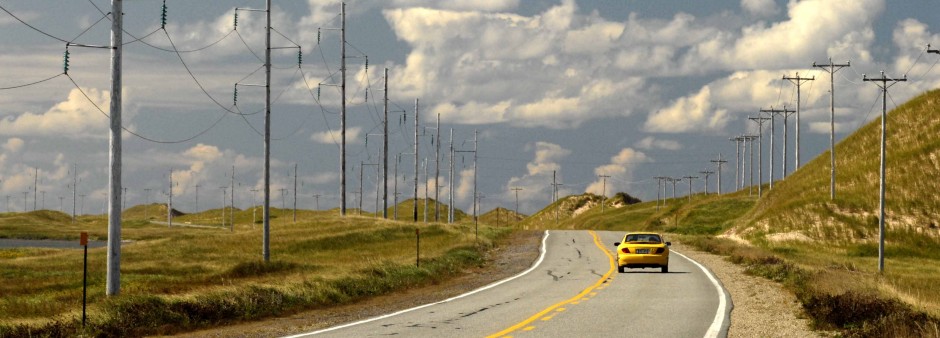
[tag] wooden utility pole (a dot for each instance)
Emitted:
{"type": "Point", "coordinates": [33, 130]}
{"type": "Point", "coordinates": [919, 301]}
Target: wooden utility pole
{"type": "Point", "coordinates": [415, 206]}
{"type": "Point", "coordinates": [516, 190]}
{"type": "Point", "coordinates": [223, 189]}
{"type": "Point", "coordinates": [750, 153]}
{"type": "Point", "coordinates": [659, 185]}
{"type": "Point", "coordinates": [437, 171]}
{"type": "Point", "coordinates": [737, 162]}
{"type": "Point", "coordinates": [295, 193]}
{"type": "Point", "coordinates": [773, 114]}
{"type": "Point", "coordinates": [450, 201]}
{"type": "Point", "coordinates": [885, 83]}
{"type": "Point", "coordinates": [832, 68]}
{"type": "Point", "coordinates": [385, 152]}
{"type": "Point", "coordinates": [342, 70]}
{"type": "Point", "coordinates": [798, 82]}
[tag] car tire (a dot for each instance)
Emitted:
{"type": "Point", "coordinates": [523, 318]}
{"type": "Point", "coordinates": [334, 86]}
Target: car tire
{"type": "Point", "coordinates": [621, 269]}
{"type": "Point", "coordinates": [664, 269]}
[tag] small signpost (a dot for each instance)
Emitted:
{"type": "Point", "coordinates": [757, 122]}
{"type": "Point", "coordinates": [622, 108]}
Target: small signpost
{"type": "Point", "coordinates": [83, 241]}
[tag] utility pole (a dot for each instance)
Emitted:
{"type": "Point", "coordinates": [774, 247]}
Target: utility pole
{"type": "Point", "coordinates": [232, 209]}
{"type": "Point", "coordinates": [62, 203]}
{"type": "Point", "coordinates": [832, 68]}
{"type": "Point", "coordinates": [516, 190]}
{"type": "Point", "coordinates": [169, 201]}
{"type": "Point", "coordinates": [196, 207]}
{"type": "Point", "coordinates": [885, 83]}
{"type": "Point", "coordinates": [415, 206]}
{"type": "Point", "coordinates": [113, 283]}
{"type": "Point", "coordinates": [397, 161]}
{"type": "Point", "coordinates": [437, 171]}
{"type": "Point", "coordinates": [690, 178]}
{"type": "Point", "coordinates": [744, 140]}
{"type": "Point", "coordinates": [223, 189]}
{"type": "Point", "coordinates": [26, 201]}
{"type": "Point", "coordinates": [425, 190]}
{"type": "Point", "coordinates": [295, 193]}
{"type": "Point", "coordinates": [147, 198]}
{"type": "Point", "coordinates": [750, 153]}
{"type": "Point", "coordinates": [773, 114]}
{"type": "Point", "coordinates": [36, 187]}
{"type": "Point", "coordinates": [659, 184]}
{"type": "Point", "coordinates": [342, 70]}
{"type": "Point", "coordinates": [316, 199]}
{"type": "Point", "coordinates": [674, 181]}
{"type": "Point", "coordinates": [760, 152]}
{"type": "Point", "coordinates": [74, 190]}
{"type": "Point", "coordinates": [706, 173]}
{"type": "Point", "coordinates": [475, 208]}
{"type": "Point", "coordinates": [603, 190]}
{"type": "Point", "coordinates": [719, 162]}
{"type": "Point", "coordinates": [283, 202]}
{"type": "Point", "coordinates": [798, 82]}
{"type": "Point", "coordinates": [450, 202]}
{"type": "Point", "coordinates": [737, 162]}
{"type": "Point", "coordinates": [385, 152]}
{"type": "Point", "coordinates": [786, 116]}
{"type": "Point", "coordinates": [266, 208]}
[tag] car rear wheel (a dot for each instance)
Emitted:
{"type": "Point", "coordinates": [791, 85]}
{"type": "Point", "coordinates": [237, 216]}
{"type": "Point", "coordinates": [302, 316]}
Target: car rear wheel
{"type": "Point", "coordinates": [621, 269]}
{"type": "Point", "coordinates": [664, 269]}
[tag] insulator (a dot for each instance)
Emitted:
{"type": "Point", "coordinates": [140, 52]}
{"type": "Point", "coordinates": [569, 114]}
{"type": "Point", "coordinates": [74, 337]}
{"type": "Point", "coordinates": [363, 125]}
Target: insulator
{"type": "Point", "coordinates": [65, 63]}
{"type": "Point", "coordinates": [318, 35]}
{"type": "Point", "coordinates": [367, 64]}
{"type": "Point", "coordinates": [318, 93]}
{"type": "Point", "coordinates": [236, 20]}
{"type": "Point", "coordinates": [300, 57]}
{"type": "Point", "coordinates": [367, 96]}
{"type": "Point", "coordinates": [163, 16]}
{"type": "Point", "coordinates": [235, 96]}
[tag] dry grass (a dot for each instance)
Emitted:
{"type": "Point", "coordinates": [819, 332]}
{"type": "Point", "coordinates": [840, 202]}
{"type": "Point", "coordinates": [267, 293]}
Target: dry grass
{"type": "Point", "coordinates": [321, 259]}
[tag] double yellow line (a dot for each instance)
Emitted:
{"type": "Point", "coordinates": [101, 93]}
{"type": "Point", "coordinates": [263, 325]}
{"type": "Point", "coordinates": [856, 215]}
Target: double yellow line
{"type": "Point", "coordinates": [584, 292]}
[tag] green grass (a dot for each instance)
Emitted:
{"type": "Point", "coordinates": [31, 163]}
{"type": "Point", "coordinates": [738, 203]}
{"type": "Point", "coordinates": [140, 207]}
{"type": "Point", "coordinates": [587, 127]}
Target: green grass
{"type": "Point", "coordinates": [181, 278]}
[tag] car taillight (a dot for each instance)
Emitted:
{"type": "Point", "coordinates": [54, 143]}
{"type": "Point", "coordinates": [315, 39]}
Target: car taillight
{"type": "Point", "coordinates": [660, 250]}
{"type": "Point", "coordinates": [625, 250]}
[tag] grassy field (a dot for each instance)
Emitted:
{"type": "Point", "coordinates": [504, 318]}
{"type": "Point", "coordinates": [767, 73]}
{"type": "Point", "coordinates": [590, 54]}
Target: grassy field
{"type": "Point", "coordinates": [198, 273]}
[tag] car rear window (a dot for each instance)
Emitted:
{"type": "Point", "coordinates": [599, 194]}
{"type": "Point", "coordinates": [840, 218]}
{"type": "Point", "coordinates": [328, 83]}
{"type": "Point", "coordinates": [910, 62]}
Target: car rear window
{"type": "Point", "coordinates": [645, 238]}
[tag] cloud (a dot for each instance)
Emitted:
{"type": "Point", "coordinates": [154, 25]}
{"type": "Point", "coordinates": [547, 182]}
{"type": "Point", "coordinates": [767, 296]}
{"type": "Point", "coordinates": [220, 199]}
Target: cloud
{"type": "Point", "coordinates": [620, 170]}
{"type": "Point", "coordinates": [651, 142]}
{"type": "Point", "coordinates": [536, 182]}
{"type": "Point", "coordinates": [333, 136]}
{"type": "Point", "coordinates": [690, 113]}
{"type": "Point", "coordinates": [74, 118]}
{"type": "Point", "coordinates": [760, 8]}
{"type": "Point", "coordinates": [13, 145]}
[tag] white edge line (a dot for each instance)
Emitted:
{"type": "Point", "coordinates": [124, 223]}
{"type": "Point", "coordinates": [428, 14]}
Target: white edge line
{"type": "Point", "coordinates": [483, 288]}
{"type": "Point", "coordinates": [715, 328]}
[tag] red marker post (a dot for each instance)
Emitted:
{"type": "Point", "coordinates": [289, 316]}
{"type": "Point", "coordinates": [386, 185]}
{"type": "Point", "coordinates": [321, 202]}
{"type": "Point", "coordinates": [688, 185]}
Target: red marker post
{"type": "Point", "coordinates": [83, 241]}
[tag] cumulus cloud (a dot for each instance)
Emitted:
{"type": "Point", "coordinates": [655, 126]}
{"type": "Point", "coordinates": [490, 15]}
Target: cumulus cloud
{"type": "Point", "coordinates": [759, 8]}
{"type": "Point", "coordinates": [331, 137]}
{"type": "Point", "coordinates": [13, 145]}
{"type": "Point", "coordinates": [535, 183]}
{"type": "Point", "coordinates": [73, 118]}
{"type": "Point", "coordinates": [651, 142]}
{"type": "Point", "coordinates": [690, 113]}
{"type": "Point", "coordinates": [620, 170]}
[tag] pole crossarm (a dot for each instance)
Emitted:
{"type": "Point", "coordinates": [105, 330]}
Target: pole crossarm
{"type": "Point", "coordinates": [932, 51]}
{"type": "Point", "coordinates": [832, 68]}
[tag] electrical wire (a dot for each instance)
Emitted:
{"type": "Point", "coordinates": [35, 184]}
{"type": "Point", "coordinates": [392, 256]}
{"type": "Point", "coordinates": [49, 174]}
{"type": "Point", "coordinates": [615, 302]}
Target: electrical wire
{"type": "Point", "coordinates": [32, 83]}
{"type": "Point", "coordinates": [33, 27]}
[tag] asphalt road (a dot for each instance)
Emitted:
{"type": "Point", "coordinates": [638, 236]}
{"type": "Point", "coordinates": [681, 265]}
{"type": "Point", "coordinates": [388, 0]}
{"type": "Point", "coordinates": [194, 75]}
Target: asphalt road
{"type": "Point", "coordinates": [573, 290]}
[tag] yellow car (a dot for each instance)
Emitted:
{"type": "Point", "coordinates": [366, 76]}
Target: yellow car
{"type": "Point", "coordinates": [643, 250]}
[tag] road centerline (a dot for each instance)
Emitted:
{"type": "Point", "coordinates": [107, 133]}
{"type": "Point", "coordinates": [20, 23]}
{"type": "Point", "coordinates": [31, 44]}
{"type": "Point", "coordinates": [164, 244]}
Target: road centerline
{"type": "Point", "coordinates": [557, 307]}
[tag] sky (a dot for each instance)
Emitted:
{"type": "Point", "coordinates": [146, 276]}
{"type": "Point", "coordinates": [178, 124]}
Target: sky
{"type": "Point", "coordinates": [629, 89]}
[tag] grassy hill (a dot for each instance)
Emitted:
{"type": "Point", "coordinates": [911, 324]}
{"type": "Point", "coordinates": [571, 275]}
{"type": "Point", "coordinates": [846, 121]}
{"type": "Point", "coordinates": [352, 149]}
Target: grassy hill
{"type": "Point", "coordinates": [802, 204]}
{"type": "Point", "coordinates": [500, 216]}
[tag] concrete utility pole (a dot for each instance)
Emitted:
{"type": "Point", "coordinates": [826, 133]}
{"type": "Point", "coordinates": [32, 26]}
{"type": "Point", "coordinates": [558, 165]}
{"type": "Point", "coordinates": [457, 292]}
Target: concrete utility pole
{"type": "Point", "coordinates": [786, 116]}
{"type": "Point", "coordinates": [674, 180]}
{"type": "Point", "coordinates": [516, 190]}
{"type": "Point", "coordinates": [295, 193]}
{"type": "Point", "coordinates": [74, 191]}
{"type": "Point", "coordinates": [232, 209]}
{"type": "Point", "coordinates": [113, 283]}
{"type": "Point", "coordinates": [750, 138]}
{"type": "Point", "coordinates": [415, 206]}
{"type": "Point", "coordinates": [705, 174]}
{"type": "Point", "coordinates": [719, 162]}
{"type": "Point", "coordinates": [385, 152]}
{"type": "Point", "coordinates": [773, 114]}
{"type": "Point", "coordinates": [36, 187]}
{"type": "Point", "coordinates": [798, 82]}
{"type": "Point", "coordinates": [223, 189]}
{"type": "Point", "coordinates": [744, 153]}
{"type": "Point", "coordinates": [832, 68]}
{"type": "Point", "coordinates": [437, 172]}
{"type": "Point", "coordinates": [737, 160]}
{"type": "Point", "coordinates": [450, 202]}
{"type": "Point", "coordinates": [885, 83]}
{"type": "Point", "coordinates": [603, 190]}
{"type": "Point", "coordinates": [760, 152]}
{"type": "Point", "coordinates": [690, 178]}
{"type": "Point", "coordinates": [169, 201]}
{"type": "Point", "coordinates": [475, 205]}
{"type": "Point", "coordinates": [659, 185]}
{"type": "Point", "coordinates": [342, 70]}
{"type": "Point", "coordinates": [425, 190]}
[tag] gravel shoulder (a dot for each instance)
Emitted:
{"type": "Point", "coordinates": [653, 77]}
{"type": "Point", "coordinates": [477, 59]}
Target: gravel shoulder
{"type": "Point", "coordinates": [762, 308]}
